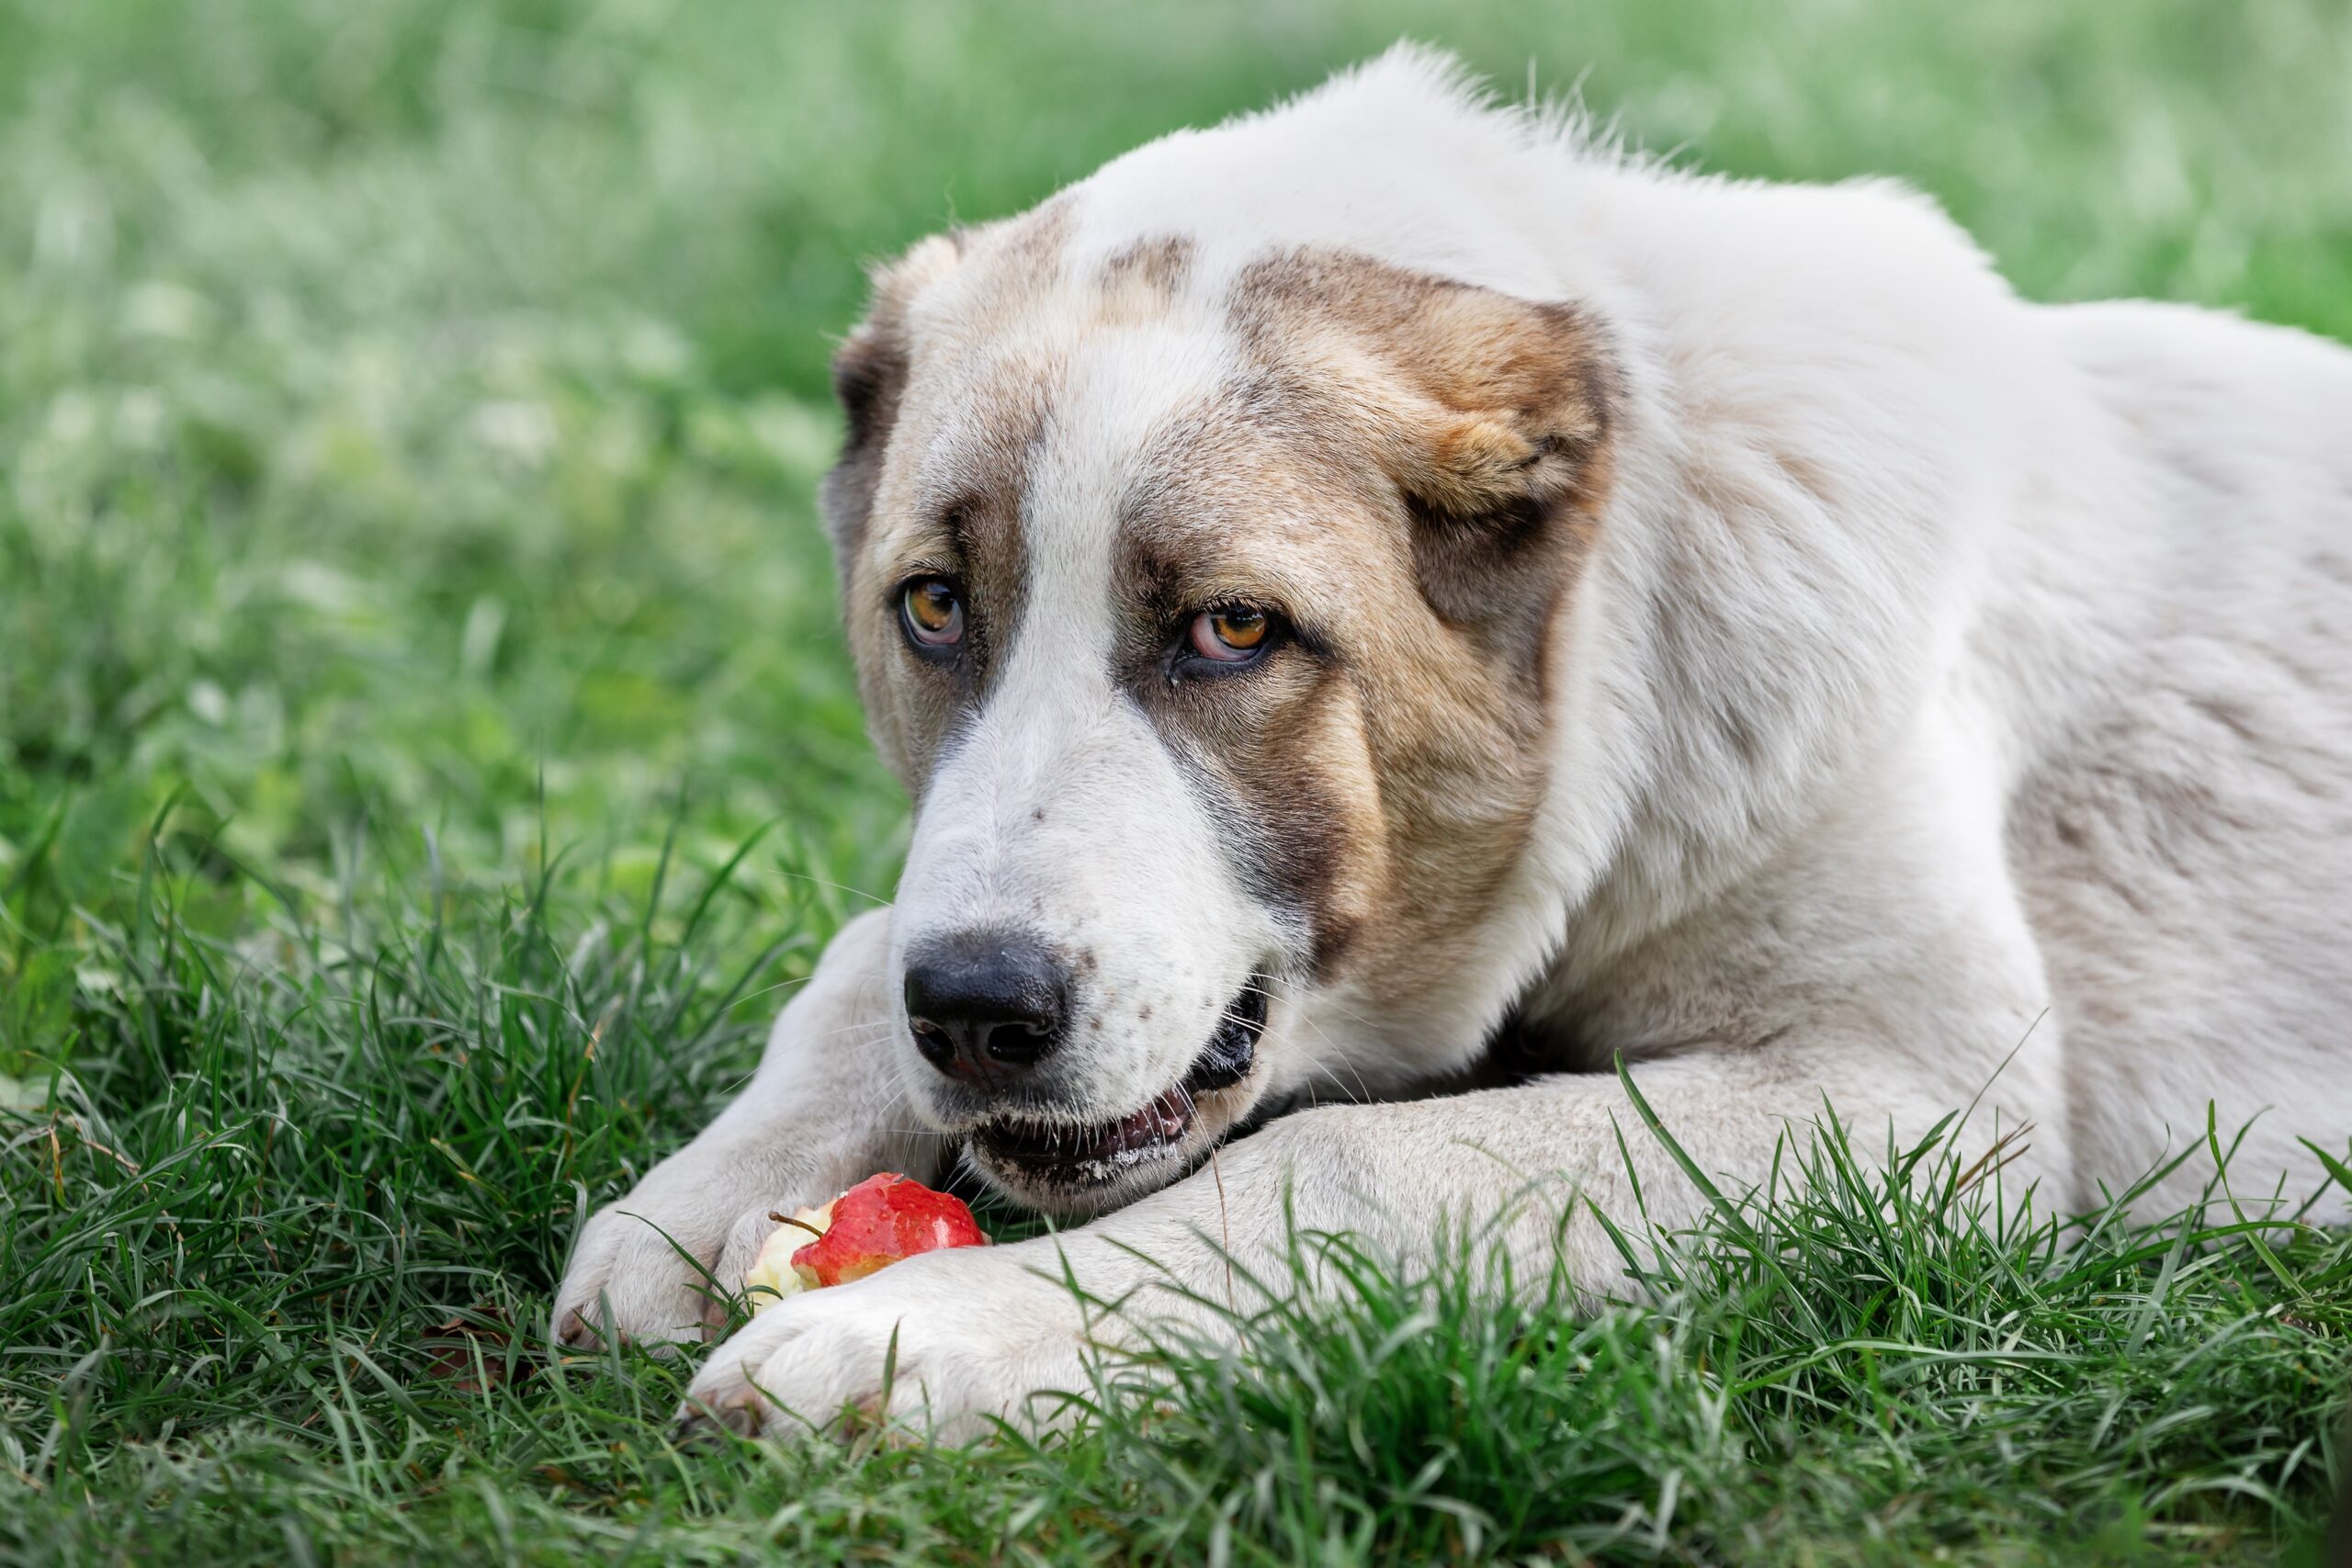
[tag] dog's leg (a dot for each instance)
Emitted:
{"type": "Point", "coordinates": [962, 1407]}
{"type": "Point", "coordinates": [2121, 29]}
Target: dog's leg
{"type": "Point", "coordinates": [823, 1110]}
{"type": "Point", "coordinates": [979, 1333]}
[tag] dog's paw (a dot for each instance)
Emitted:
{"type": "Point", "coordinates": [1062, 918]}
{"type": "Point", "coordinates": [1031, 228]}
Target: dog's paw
{"type": "Point", "coordinates": [655, 1267]}
{"type": "Point", "coordinates": [945, 1343]}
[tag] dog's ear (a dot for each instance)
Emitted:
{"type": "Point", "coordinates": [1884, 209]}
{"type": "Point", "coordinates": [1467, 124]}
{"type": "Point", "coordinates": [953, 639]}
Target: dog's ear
{"type": "Point", "coordinates": [1511, 404]}
{"type": "Point", "coordinates": [869, 375]}
{"type": "Point", "coordinates": [1499, 444]}
{"type": "Point", "coordinates": [1490, 416]}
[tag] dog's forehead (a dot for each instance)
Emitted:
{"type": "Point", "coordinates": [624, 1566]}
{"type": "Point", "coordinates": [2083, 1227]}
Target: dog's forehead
{"type": "Point", "coordinates": [1075, 392]}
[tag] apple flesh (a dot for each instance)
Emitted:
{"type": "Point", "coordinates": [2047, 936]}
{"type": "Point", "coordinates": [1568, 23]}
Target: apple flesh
{"type": "Point", "coordinates": [772, 1277]}
{"type": "Point", "coordinates": [882, 1219]}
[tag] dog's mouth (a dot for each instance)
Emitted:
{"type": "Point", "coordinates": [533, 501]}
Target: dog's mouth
{"type": "Point", "coordinates": [1048, 1155]}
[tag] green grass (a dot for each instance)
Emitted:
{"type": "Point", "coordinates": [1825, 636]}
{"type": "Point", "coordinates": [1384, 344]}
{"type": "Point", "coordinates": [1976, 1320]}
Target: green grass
{"type": "Point", "coordinates": [410, 606]}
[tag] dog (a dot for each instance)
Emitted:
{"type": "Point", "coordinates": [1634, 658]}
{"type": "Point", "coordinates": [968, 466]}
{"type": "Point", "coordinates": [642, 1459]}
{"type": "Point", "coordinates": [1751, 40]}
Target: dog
{"type": "Point", "coordinates": [1389, 607]}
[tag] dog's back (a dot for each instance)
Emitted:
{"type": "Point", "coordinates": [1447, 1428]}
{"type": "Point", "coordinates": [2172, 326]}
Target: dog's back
{"type": "Point", "coordinates": [2185, 845]}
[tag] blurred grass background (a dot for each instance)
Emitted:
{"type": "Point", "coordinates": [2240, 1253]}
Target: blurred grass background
{"type": "Point", "coordinates": [410, 599]}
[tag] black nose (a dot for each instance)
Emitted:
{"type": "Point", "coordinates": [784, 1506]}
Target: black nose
{"type": "Point", "coordinates": [985, 1005]}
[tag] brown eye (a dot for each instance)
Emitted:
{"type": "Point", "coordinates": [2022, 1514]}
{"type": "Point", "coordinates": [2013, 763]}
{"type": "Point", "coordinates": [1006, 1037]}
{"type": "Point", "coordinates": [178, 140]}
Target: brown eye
{"type": "Point", "coordinates": [934, 612]}
{"type": "Point", "coordinates": [1232, 634]}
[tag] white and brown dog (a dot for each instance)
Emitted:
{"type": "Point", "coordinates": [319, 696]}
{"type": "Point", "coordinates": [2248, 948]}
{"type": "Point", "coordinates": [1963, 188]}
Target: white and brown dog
{"type": "Point", "coordinates": [1389, 577]}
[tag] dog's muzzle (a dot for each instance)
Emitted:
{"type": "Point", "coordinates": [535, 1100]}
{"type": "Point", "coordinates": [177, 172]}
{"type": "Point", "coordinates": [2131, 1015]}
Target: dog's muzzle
{"type": "Point", "coordinates": [1057, 1154]}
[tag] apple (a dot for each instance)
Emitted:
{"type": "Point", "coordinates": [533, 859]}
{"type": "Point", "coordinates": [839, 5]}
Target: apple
{"type": "Point", "coordinates": [882, 1219]}
{"type": "Point", "coordinates": [874, 1223]}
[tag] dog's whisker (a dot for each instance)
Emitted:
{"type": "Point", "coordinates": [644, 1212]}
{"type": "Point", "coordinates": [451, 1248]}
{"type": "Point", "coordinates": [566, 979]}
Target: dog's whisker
{"type": "Point", "coordinates": [874, 899]}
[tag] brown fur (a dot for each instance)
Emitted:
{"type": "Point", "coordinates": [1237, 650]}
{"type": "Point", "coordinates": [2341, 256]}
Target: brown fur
{"type": "Point", "coordinates": [1142, 279]}
{"type": "Point", "coordinates": [1411, 786]}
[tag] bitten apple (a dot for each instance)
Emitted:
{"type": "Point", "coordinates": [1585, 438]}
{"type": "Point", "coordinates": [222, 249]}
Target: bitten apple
{"type": "Point", "coordinates": [772, 1277]}
{"type": "Point", "coordinates": [882, 1219]}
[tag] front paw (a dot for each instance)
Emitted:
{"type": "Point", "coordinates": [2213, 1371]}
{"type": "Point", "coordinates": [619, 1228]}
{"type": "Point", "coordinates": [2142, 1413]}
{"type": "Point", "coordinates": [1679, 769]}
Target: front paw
{"type": "Point", "coordinates": [946, 1343]}
{"type": "Point", "coordinates": [657, 1267]}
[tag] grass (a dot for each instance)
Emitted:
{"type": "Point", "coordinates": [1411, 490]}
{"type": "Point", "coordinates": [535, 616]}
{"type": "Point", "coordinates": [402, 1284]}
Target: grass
{"type": "Point", "coordinates": [426, 753]}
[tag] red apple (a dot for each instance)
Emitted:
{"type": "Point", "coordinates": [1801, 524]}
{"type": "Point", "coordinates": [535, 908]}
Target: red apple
{"type": "Point", "coordinates": [877, 1222]}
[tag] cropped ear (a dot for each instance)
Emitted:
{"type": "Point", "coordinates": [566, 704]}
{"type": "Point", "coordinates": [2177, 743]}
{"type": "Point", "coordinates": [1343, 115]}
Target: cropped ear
{"type": "Point", "coordinates": [869, 377]}
{"type": "Point", "coordinates": [1508, 402]}
{"type": "Point", "coordinates": [1489, 415]}
{"type": "Point", "coordinates": [1499, 446]}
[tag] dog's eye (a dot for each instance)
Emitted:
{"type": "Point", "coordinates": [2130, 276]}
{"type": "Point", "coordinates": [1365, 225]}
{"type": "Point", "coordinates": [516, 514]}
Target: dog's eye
{"type": "Point", "coordinates": [933, 611]}
{"type": "Point", "coordinates": [1231, 634]}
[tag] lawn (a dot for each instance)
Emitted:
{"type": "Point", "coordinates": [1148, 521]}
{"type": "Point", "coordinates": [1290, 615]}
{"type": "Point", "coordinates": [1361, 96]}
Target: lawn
{"type": "Point", "coordinates": [426, 754]}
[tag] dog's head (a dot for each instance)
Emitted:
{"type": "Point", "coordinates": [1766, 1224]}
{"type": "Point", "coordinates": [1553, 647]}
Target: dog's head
{"type": "Point", "coordinates": [1207, 605]}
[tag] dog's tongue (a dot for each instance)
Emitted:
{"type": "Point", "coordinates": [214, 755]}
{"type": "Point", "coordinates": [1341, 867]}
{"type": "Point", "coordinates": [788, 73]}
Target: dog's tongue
{"type": "Point", "coordinates": [1158, 1123]}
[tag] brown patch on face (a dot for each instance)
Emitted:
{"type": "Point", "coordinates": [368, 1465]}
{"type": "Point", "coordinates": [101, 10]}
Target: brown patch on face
{"type": "Point", "coordinates": [1141, 281]}
{"type": "Point", "coordinates": [1328, 837]}
{"type": "Point", "coordinates": [1411, 471]}
{"type": "Point", "coordinates": [896, 513]}
{"type": "Point", "coordinates": [972, 535]}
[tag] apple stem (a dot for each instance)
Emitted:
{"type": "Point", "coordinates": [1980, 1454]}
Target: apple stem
{"type": "Point", "coordinates": [788, 1220]}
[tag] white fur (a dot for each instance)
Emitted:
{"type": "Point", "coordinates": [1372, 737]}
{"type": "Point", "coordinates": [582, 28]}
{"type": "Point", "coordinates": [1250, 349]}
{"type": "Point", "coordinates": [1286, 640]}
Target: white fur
{"type": "Point", "coordinates": [1955, 682]}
